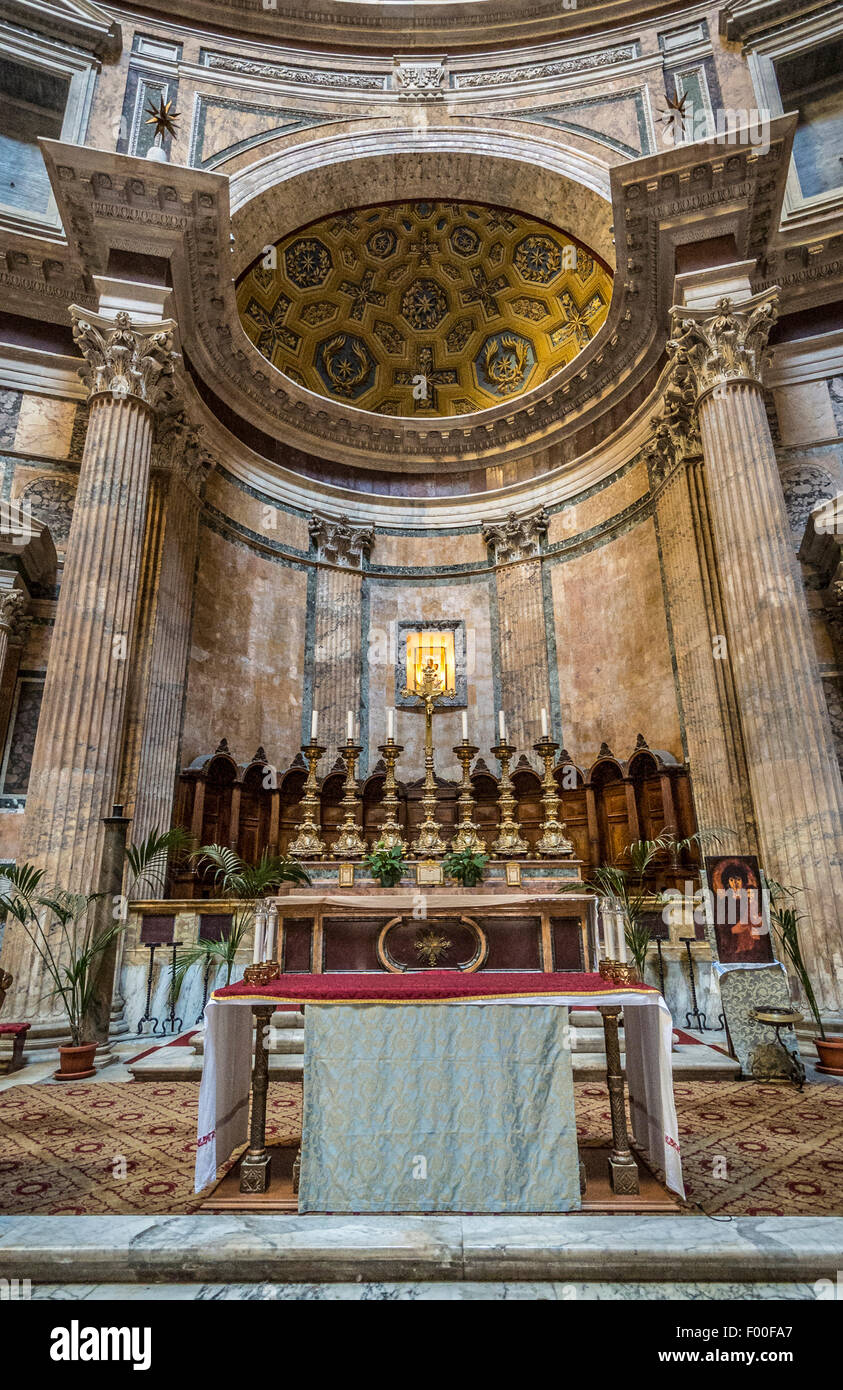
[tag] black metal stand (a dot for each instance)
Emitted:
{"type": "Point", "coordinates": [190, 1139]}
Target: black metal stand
{"type": "Point", "coordinates": [148, 1017]}
{"type": "Point", "coordinates": [661, 966]}
{"type": "Point", "coordinates": [695, 1011]}
{"type": "Point", "coordinates": [171, 1018]}
{"type": "Point", "coordinates": [205, 974]}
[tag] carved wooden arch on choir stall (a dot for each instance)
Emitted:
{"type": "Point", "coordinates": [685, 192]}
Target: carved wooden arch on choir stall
{"type": "Point", "coordinates": [256, 805]}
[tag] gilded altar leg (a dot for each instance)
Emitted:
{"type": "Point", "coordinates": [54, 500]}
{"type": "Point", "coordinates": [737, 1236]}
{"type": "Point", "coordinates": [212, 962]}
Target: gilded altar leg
{"type": "Point", "coordinates": [254, 1169]}
{"type": "Point", "coordinates": [623, 1170]}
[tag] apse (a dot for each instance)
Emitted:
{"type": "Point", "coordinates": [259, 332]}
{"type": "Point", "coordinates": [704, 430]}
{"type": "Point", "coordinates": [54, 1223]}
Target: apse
{"type": "Point", "coordinates": [424, 308]}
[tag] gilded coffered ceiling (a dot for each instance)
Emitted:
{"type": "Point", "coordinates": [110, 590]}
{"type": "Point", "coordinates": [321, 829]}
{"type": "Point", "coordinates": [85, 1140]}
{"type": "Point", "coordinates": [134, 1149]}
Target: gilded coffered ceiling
{"type": "Point", "coordinates": [424, 309]}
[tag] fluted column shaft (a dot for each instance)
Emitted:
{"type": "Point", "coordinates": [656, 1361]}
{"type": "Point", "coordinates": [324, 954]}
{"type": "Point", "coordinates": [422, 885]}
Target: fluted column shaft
{"type": "Point", "coordinates": [75, 763]}
{"type": "Point", "coordinates": [716, 758]}
{"type": "Point", "coordinates": [168, 665]}
{"type": "Point", "coordinates": [795, 781]}
{"type": "Point", "coordinates": [525, 687]}
{"type": "Point", "coordinates": [337, 651]}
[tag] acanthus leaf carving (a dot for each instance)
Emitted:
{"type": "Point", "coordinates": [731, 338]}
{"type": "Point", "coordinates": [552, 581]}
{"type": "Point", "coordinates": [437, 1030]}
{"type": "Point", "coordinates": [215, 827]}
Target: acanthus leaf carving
{"type": "Point", "coordinates": [709, 349]}
{"type": "Point", "coordinates": [129, 360]}
{"type": "Point", "coordinates": [339, 541]}
{"type": "Point", "coordinates": [517, 538]}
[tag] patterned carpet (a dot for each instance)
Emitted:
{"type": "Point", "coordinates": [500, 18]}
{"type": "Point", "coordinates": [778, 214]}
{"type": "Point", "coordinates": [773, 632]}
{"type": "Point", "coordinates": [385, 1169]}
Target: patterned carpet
{"type": "Point", "coordinates": [116, 1148]}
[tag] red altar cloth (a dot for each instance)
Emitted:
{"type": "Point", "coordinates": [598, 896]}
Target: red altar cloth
{"type": "Point", "coordinates": [416, 987]}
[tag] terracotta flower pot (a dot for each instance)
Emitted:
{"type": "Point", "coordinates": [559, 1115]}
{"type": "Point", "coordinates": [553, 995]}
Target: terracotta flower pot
{"type": "Point", "coordinates": [76, 1062]}
{"type": "Point", "coordinates": [831, 1055]}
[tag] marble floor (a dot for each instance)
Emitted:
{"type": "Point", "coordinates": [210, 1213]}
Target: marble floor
{"type": "Point", "coordinates": [424, 1292]}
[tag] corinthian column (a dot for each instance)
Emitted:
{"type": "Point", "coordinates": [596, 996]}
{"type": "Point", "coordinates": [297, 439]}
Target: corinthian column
{"type": "Point", "coordinates": [129, 371]}
{"type": "Point", "coordinates": [338, 655]}
{"type": "Point", "coordinates": [515, 547]}
{"type": "Point", "coordinates": [793, 772]}
{"type": "Point", "coordinates": [153, 720]}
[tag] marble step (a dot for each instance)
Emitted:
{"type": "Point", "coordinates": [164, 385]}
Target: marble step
{"type": "Point", "coordinates": [184, 1064]}
{"type": "Point", "coordinates": [289, 1248]}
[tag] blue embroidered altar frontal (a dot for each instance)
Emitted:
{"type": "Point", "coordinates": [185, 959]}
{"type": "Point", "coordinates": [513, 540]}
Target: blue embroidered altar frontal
{"type": "Point", "coordinates": [438, 1108]}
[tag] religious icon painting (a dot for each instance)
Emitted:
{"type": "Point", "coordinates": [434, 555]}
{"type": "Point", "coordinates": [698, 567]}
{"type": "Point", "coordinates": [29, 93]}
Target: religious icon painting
{"type": "Point", "coordinates": [740, 925]}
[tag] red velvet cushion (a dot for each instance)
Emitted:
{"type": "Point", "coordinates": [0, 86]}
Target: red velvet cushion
{"type": "Point", "coordinates": [14, 1027]}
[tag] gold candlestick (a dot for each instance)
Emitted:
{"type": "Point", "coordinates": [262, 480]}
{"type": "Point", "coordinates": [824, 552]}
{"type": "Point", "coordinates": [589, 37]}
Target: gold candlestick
{"type": "Point", "coordinates": [466, 836]}
{"type": "Point", "coordinates": [308, 843]}
{"type": "Point", "coordinates": [349, 844]}
{"type": "Point", "coordinates": [554, 842]}
{"type": "Point", "coordinates": [390, 836]}
{"type": "Point", "coordinates": [509, 841]}
{"type": "Point", "coordinates": [429, 843]}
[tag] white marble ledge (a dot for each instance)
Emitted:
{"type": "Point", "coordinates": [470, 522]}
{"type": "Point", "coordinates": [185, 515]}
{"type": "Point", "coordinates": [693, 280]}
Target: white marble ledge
{"type": "Point", "coordinates": [445, 1292]}
{"type": "Point", "coordinates": [295, 1249]}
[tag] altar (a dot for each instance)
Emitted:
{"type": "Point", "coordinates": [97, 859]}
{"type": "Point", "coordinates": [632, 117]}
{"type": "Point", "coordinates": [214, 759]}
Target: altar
{"type": "Point", "coordinates": [224, 1112]}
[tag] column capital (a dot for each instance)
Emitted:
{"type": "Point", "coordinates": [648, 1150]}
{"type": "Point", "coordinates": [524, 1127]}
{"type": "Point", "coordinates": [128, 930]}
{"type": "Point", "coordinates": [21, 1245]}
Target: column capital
{"type": "Point", "coordinates": [12, 604]}
{"type": "Point", "coordinates": [676, 429]}
{"type": "Point", "coordinates": [340, 541]}
{"type": "Point", "coordinates": [517, 538]}
{"type": "Point", "coordinates": [125, 358]}
{"type": "Point", "coordinates": [710, 348]}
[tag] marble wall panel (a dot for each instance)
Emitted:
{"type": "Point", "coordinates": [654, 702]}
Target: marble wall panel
{"type": "Point", "coordinates": [615, 672]}
{"type": "Point", "coordinates": [246, 666]}
{"type": "Point", "coordinates": [805, 413]}
{"type": "Point", "coordinates": [420, 551]}
{"type": "Point", "coordinates": [593, 510]}
{"type": "Point", "coordinates": [45, 426]}
{"type": "Point", "coordinates": [469, 601]}
{"type": "Point", "coordinates": [263, 519]}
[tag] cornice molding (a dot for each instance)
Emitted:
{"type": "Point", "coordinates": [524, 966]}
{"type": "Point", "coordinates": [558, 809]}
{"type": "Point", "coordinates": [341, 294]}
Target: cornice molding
{"type": "Point", "coordinates": [76, 22]}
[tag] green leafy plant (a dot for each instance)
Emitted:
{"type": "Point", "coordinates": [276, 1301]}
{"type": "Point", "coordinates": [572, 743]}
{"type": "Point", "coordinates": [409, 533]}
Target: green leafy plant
{"type": "Point", "coordinates": [147, 860]}
{"type": "Point", "coordinates": [64, 931]}
{"type": "Point", "coordinates": [466, 866]}
{"type": "Point", "coordinates": [785, 920]}
{"type": "Point", "coordinates": [388, 866]}
{"type": "Point", "coordinates": [248, 883]}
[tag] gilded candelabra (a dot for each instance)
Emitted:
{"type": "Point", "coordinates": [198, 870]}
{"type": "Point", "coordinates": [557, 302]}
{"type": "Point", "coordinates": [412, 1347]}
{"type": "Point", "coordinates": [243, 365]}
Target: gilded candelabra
{"type": "Point", "coordinates": [308, 843]}
{"type": "Point", "coordinates": [390, 836]}
{"type": "Point", "coordinates": [349, 844]}
{"type": "Point", "coordinates": [429, 843]}
{"type": "Point", "coordinates": [467, 837]}
{"type": "Point", "coordinates": [554, 842]}
{"type": "Point", "coordinates": [509, 841]}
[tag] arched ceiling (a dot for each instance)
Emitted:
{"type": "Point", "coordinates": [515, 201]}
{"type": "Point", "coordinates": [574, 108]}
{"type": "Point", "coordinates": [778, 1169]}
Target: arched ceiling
{"type": "Point", "coordinates": [424, 308]}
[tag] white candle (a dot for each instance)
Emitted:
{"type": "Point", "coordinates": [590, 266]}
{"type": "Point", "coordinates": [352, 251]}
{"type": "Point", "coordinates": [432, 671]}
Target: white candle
{"type": "Point", "coordinates": [465, 725]}
{"type": "Point", "coordinates": [271, 946]}
{"type": "Point", "coordinates": [390, 722]}
{"type": "Point", "coordinates": [621, 936]}
{"type": "Point", "coordinates": [349, 726]}
{"type": "Point", "coordinates": [501, 726]}
{"type": "Point", "coordinates": [257, 951]}
{"type": "Point", "coordinates": [544, 723]}
{"type": "Point", "coordinates": [314, 724]}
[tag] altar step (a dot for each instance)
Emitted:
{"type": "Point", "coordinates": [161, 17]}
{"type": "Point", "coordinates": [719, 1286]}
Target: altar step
{"type": "Point", "coordinates": [286, 1054]}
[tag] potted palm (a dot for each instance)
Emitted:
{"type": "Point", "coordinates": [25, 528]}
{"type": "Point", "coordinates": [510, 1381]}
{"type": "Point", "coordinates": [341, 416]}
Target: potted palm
{"type": "Point", "coordinates": [785, 920]}
{"type": "Point", "coordinates": [246, 883]}
{"type": "Point", "coordinates": [71, 943]}
{"type": "Point", "coordinates": [386, 864]}
{"type": "Point", "coordinates": [466, 866]}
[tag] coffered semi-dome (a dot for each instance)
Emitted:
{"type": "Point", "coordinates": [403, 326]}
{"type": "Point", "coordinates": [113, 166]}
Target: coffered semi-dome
{"type": "Point", "coordinates": [424, 308]}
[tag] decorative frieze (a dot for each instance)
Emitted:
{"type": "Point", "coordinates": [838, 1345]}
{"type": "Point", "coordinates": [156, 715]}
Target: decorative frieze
{"type": "Point", "coordinates": [285, 72]}
{"type": "Point", "coordinates": [517, 538]}
{"type": "Point", "coordinates": [339, 541]}
{"type": "Point", "coordinates": [560, 67]}
{"type": "Point", "coordinates": [125, 358]}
